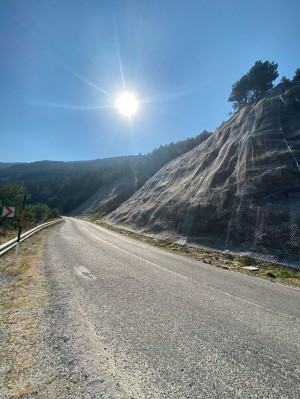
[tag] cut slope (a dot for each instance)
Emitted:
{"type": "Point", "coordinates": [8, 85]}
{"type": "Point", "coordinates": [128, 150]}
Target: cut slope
{"type": "Point", "coordinates": [240, 189]}
{"type": "Point", "coordinates": [107, 198]}
{"type": "Point", "coordinates": [124, 181]}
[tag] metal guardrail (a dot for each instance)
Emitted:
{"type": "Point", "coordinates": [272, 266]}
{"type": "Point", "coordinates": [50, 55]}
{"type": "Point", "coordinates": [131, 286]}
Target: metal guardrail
{"type": "Point", "coordinates": [12, 243]}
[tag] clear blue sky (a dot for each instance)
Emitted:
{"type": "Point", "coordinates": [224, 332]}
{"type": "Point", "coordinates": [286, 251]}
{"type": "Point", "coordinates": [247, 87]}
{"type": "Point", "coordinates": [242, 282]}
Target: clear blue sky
{"type": "Point", "coordinates": [64, 62]}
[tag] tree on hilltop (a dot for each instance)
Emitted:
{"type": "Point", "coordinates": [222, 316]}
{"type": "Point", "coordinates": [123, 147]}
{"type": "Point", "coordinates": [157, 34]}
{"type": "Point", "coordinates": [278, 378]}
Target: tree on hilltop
{"type": "Point", "coordinates": [297, 75]}
{"type": "Point", "coordinates": [261, 77]}
{"type": "Point", "coordinates": [285, 80]}
{"type": "Point", "coordinates": [256, 82]}
{"type": "Point", "coordinates": [240, 94]}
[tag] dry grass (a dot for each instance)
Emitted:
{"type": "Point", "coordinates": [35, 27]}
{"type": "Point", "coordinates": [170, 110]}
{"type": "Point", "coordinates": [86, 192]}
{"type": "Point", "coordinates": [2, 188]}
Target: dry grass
{"type": "Point", "coordinates": [6, 235]}
{"type": "Point", "coordinates": [22, 391]}
{"type": "Point", "coordinates": [267, 270]}
{"type": "Point", "coordinates": [20, 297]}
{"type": "Point", "coordinates": [24, 296]}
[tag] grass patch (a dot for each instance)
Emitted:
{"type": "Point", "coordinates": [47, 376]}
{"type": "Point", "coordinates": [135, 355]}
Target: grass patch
{"type": "Point", "coordinates": [7, 235]}
{"type": "Point", "coordinates": [280, 273]}
{"type": "Point", "coordinates": [6, 306]}
{"type": "Point", "coordinates": [245, 260]}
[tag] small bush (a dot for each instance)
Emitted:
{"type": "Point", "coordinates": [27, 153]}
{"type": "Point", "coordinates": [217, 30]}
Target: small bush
{"type": "Point", "coordinates": [246, 260]}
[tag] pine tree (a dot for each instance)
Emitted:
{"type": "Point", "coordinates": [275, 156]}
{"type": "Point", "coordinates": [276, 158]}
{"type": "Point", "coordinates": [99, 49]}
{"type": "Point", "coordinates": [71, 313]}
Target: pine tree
{"type": "Point", "coordinates": [255, 83]}
{"type": "Point", "coordinates": [297, 75]}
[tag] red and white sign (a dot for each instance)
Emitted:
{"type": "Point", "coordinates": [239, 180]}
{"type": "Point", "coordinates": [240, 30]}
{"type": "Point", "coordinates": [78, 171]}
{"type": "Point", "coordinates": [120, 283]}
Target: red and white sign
{"type": "Point", "coordinates": [8, 212]}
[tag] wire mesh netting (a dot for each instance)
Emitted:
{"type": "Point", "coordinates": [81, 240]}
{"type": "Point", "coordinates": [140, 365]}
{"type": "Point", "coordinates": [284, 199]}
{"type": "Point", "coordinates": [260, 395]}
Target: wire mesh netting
{"type": "Point", "coordinates": [270, 231]}
{"type": "Point", "coordinates": [238, 191]}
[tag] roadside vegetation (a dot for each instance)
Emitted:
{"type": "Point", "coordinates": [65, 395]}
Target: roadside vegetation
{"type": "Point", "coordinates": [13, 195]}
{"type": "Point", "coordinates": [22, 295]}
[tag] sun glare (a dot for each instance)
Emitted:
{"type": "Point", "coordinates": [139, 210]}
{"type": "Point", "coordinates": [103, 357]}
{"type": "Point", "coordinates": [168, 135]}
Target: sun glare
{"type": "Point", "coordinates": [127, 104]}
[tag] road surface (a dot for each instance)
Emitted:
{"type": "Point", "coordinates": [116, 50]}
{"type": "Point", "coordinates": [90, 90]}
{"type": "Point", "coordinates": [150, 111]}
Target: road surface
{"type": "Point", "coordinates": [136, 321]}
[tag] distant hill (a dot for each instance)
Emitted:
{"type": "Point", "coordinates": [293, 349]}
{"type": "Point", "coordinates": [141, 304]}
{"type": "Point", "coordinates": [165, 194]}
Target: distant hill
{"type": "Point", "coordinates": [69, 185]}
{"type": "Point", "coordinates": [238, 190]}
{"type": "Point", "coordinates": [4, 165]}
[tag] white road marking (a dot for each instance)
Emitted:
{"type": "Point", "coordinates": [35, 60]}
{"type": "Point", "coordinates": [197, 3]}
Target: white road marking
{"type": "Point", "coordinates": [195, 281]}
{"type": "Point", "coordinates": [177, 274]}
{"type": "Point", "coordinates": [65, 237]}
{"type": "Point", "coordinates": [135, 256]}
{"type": "Point", "coordinates": [81, 271]}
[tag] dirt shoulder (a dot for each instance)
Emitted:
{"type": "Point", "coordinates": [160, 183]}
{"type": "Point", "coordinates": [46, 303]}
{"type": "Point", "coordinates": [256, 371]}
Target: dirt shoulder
{"type": "Point", "coordinates": [29, 364]}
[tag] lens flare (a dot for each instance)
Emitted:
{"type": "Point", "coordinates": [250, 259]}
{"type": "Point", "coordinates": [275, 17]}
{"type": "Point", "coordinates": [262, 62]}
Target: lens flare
{"type": "Point", "coordinates": [127, 104]}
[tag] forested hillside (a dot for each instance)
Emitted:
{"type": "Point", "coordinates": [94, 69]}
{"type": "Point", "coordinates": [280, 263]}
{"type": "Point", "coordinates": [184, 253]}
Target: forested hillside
{"type": "Point", "coordinates": [66, 185]}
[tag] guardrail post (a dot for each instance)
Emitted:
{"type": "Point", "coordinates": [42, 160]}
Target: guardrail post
{"type": "Point", "coordinates": [20, 226]}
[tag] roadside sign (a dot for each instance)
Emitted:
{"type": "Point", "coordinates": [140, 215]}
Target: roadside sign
{"type": "Point", "coordinates": [8, 212]}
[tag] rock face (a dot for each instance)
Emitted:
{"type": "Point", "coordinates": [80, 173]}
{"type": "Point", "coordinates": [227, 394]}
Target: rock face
{"type": "Point", "coordinates": [238, 190]}
{"type": "Point", "coordinates": [107, 198]}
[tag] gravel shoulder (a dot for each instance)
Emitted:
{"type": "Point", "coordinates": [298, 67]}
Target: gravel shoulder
{"type": "Point", "coordinates": [30, 362]}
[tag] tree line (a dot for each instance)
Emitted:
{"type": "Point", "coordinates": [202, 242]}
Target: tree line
{"type": "Point", "coordinates": [257, 82]}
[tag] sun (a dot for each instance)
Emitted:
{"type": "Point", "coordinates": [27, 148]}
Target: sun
{"type": "Point", "coordinates": [127, 104]}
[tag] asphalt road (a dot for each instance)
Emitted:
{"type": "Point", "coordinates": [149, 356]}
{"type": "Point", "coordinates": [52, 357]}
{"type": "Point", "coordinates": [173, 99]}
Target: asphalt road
{"type": "Point", "coordinates": [136, 321]}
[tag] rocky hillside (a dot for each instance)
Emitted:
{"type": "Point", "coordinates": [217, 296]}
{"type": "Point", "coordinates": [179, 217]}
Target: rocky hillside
{"type": "Point", "coordinates": [107, 198]}
{"type": "Point", "coordinates": [130, 176]}
{"type": "Point", "coordinates": [240, 189]}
